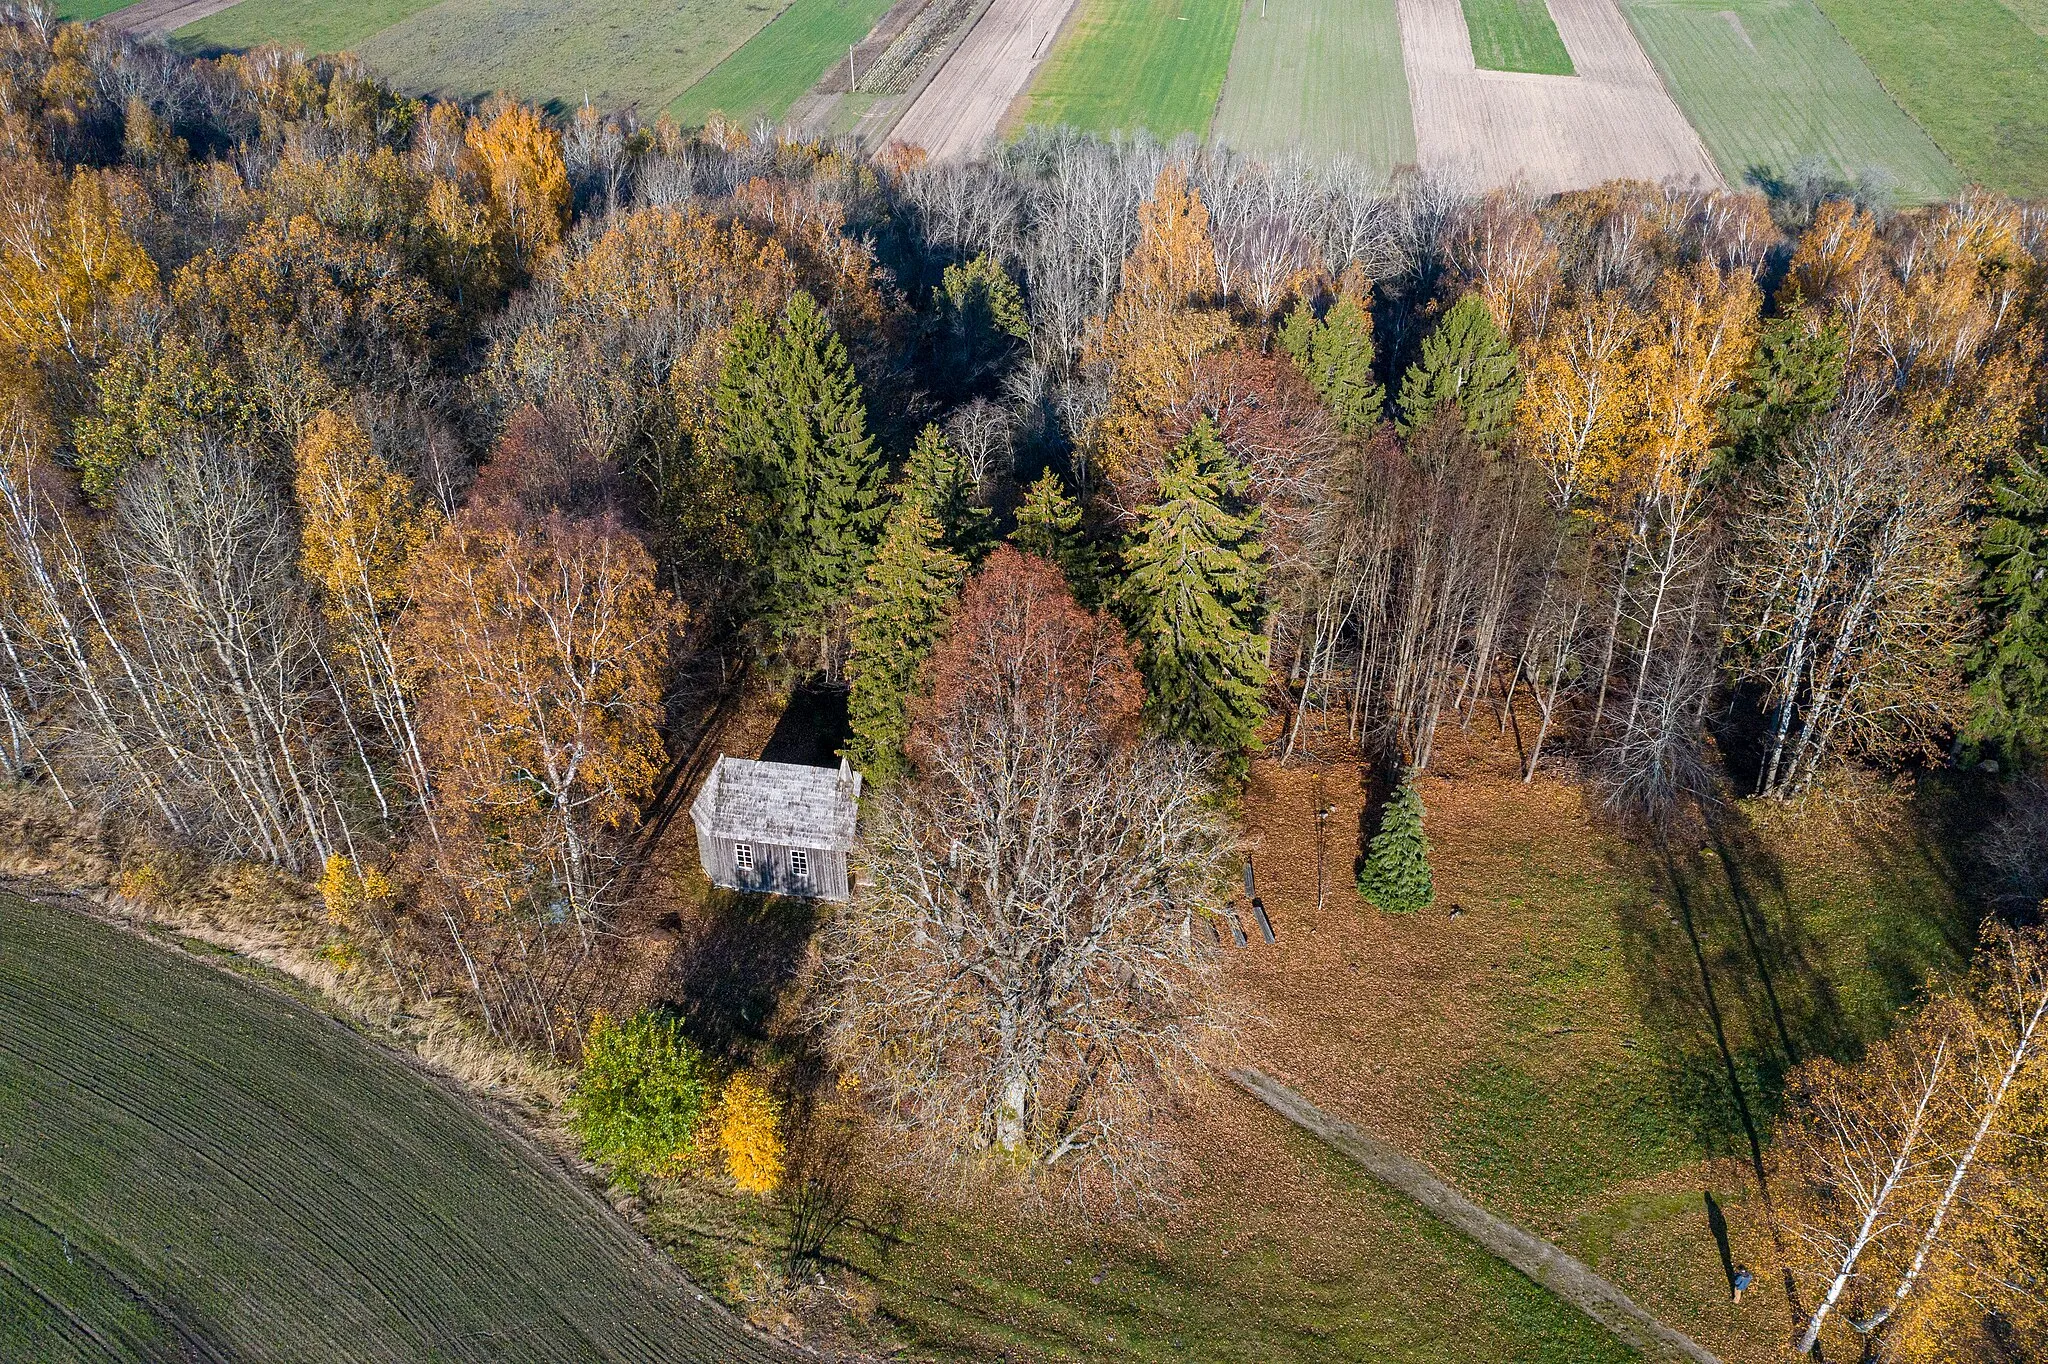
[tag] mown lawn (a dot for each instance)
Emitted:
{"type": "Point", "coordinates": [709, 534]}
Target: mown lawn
{"type": "Point", "coordinates": [1770, 84]}
{"type": "Point", "coordinates": [192, 1167]}
{"type": "Point", "coordinates": [1516, 35]}
{"type": "Point", "coordinates": [318, 27]}
{"type": "Point", "coordinates": [781, 62]}
{"type": "Point", "coordinates": [1972, 73]}
{"type": "Point", "coordinates": [1320, 76]}
{"type": "Point", "coordinates": [1123, 65]}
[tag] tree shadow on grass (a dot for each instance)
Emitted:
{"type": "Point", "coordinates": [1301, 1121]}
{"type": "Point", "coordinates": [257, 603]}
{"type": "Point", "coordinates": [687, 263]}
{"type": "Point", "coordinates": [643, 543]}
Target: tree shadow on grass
{"type": "Point", "coordinates": [1732, 988]}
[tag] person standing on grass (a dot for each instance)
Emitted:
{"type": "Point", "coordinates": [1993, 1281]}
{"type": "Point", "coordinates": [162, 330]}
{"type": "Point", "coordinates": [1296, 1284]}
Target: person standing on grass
{"type": "Point", "coordinates": [1743, 1279]}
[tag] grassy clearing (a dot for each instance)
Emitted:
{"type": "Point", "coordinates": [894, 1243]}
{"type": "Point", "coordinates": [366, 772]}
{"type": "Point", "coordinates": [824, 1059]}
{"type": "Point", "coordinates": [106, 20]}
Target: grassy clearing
{"type": "Point", "coordinates": [1130, 64]}
{"type": "Point", "coordinates": [615, 52]}
{"type": "Point", "coordinates": [1970, 71]}
{"type": "Point", "coordinates": [781, 62]}
{"type": "Point", "coordinates": [1597, 1046]}
{"type": "Point", "coordinates": [1516, 35]}
{"type": "Point", "coordinates": [328, 27]}
{"type": "Point", "coordinates": [1321, 76]}
{"type": "Point", "coordinates": [186, 1158]}
{"type": "Point", "coordinates": [1771, 84]}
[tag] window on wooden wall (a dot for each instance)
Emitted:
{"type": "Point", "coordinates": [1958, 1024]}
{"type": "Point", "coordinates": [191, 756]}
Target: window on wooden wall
{"type": "Point", "coordinates": [800, 865]}
{"type": "Point", "coordinates": [743, 856]}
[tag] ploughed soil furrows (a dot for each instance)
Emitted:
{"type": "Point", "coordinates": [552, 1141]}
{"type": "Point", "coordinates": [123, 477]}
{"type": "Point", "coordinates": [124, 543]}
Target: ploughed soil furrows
{"type": "Point", "coordinates": [194, 1167]}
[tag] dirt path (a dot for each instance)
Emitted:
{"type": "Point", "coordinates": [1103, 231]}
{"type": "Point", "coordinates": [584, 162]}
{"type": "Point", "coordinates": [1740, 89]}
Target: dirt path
{"type": "Point", "coordinates": [1531, 1254]}
{"type": "Point", "coordinates": [1612, 120]}
{"type": "Point", "coordinates": [964, 105]}
{"type": "Point", "coordinates": [162, 16]}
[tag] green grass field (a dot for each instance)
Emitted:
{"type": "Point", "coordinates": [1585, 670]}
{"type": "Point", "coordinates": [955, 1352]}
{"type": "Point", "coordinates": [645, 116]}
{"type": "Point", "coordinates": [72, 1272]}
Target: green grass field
{"type": "Point", "coordinates": [613, 52]}
{"type": "Point", "coordinates": [316, 27]}
{"type": "Point", "coordinates": [195, 1168]}
{"type": "Point", "coordinates": [1516, 35]}
{"type": "Point", "coordinates": [1130, 64]}
{"type": "Point", "coordinates": [83, 11]}
{"type": "Point", "coordinates": [782, 61]}
{"type": "Point", "coordinates": [2032, 13]}
{"type": "Point", "coordinates": [1323, 76]}
{"type": "Point", "coordinates": [1770, 83]}
{"type": "Point", "coordinates": [1972, 73]}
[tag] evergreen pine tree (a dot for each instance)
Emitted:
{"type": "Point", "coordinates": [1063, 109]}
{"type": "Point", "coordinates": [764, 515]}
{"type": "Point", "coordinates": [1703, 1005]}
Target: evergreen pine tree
{"type": "Point", "coordinates": [790, 415]}
{"type": "Point", "coordinates": [981, 323]}
{"type": "Point", "coordinates": [909, 587]}
{"type": "Point", "coordinates": [2009, 670]}
{"type": "Point", "coordinates": [1191, 600]}
{"type": "Point", "coordinates": [1049, 525]}
{"type": "Point", "coordinates": [1297, 333]}
{"type": "Point", "coordinates": [1465, 360]}
{"type": "Point", "coordinates": [1395, 875]}
{"type": "Point", "coordinates": [936, 478]}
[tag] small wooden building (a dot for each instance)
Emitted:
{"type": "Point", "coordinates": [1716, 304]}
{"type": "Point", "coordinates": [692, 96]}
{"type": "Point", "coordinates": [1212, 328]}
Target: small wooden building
{"type": "Point", "coordinates": [777, 828]}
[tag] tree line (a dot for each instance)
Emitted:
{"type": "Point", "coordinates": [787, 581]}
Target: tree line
{"type": "Point", "coordinates": [386, 481]}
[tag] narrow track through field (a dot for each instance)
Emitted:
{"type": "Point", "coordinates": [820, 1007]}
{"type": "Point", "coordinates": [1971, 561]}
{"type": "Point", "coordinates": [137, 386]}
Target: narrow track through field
{"type": "Point", "coordinates": [963, 107]}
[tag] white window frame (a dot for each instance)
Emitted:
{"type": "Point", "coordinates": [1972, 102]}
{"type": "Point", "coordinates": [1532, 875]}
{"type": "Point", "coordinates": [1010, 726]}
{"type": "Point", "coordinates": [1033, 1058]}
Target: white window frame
{"type": "Point", "coordinates": [800, 866]}
{"type": "Point", "coordinates": [743, 856]}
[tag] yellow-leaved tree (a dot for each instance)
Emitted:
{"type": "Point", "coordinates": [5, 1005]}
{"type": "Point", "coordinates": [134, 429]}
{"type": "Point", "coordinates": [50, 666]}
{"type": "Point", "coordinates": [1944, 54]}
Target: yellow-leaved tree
{"type": "Point", "coordinates": [67, 263]}
{"type": "Point", "coordinates": [750, 1135]}
{"type": "Point", "coordinates": [361, 522]}
{"type": "Point", "coordinates": [521, 157]}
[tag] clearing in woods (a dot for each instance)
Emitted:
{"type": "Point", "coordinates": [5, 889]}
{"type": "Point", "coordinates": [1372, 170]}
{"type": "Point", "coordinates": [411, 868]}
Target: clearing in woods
{"type": "Point", "coordinates": [1516, 35]}
{"type": "Point", "coordinates": [1122, 65]}
{"type": "Point", "coordinates": [1322, 77]}
{"type": "Point", "coordinates": [1591, 1046]}
{"type": "Point", "coordinates": [1970, 71]}
{"type": "Point", "coordinates": [192, 1167]}
{"type": "Point", "coordinates": [316, 27]}
{"type": "Point", "coordinates": [1770, 84]}
{"type": "Point", "coordinates": [781, 62]}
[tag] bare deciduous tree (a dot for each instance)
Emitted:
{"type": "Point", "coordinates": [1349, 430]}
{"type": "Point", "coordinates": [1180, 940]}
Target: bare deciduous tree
{"type": "Point", "coordinates": [1027, 970]}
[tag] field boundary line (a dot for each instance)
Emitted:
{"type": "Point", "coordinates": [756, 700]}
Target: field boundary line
{"type": "Point", "coordinates": [1535, 1257]}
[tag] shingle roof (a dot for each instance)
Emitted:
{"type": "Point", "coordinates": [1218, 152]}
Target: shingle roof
{"type": "Point", "coordinates": [779, 803]}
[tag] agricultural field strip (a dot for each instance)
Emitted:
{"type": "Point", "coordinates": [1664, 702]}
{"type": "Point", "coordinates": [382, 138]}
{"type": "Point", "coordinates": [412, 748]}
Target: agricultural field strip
{"type": "Point", "coordinates": [176, 1104]}
{"type": "Point", "coordinates": [788, 60]}
{"type": "Point", "coordinates": [162, 16]}
{"type": "Point", "coordinates": [1516, 35]}
{"type": "Point", "coordinates": [963, 106]}
{"type": "Point", "coordinates": [1614, 120]}
{"type": "Point", "coordinates": [315, 27]}
{"type": "Point", "coordinates": [1322, 77]}
{"type": "Point", "coordinates": [1769, 83]}
{"type": "Point", "coordinates": [1527, 1252]}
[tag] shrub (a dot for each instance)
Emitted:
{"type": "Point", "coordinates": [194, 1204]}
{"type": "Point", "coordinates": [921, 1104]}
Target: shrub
{"type": "Point", "coordinates": [642, 1094]}
{"type": "Point", "coordinates": [750, 1135]}
{"type": "Point", "coordinates": [1396, 872]}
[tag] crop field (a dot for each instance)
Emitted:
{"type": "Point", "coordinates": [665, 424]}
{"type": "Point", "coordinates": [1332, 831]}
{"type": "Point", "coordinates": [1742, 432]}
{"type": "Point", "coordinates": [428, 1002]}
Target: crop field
{"type": "Point", "coordinates": [1971, 72]}
{"type": "Point", "coordinates": [767, 75]}
{"type": "Point", "coordinates": [1770, 83]}
{"type": "Point", "coordinates": [1320, 76]}
{"type": "Point", "coordinates": [83, 11]}
{"type": "Point", "coordinates": [1516, 35]}
{"type": "Point", "coordinates": [317, 27]}
{"type": "Point", "coordinates": [1130, 64]}
{"type": "Point", "coordinates": [195, 1168]}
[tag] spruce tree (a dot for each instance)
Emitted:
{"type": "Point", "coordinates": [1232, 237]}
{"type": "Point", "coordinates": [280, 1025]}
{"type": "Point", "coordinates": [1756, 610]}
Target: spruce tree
{"type": "Point", "coordinates": [1049, 525]}
{"type": "Point", "coordinates": [936, 478]}
{"type": "Point", "coordinates": [1796, 376]}
{"type": "Point", "coordinates": [790, 416]}
{"type": "Point", "coordinates": [2009, 670]}
{"type": "Point", "coordinates": [1190, 598]}
{"type": "Point", "coordinates": [1467, 361]}
{"type": "Point", "coordinates": [1395, 875]}
{"type": "Point", "coordinates": [1341, 355]}
{"type": "Point", "coordinates": [909, 587]}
